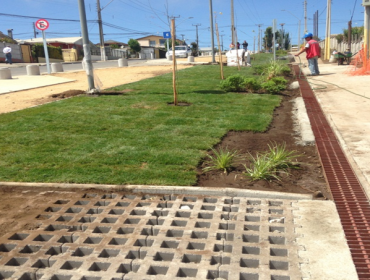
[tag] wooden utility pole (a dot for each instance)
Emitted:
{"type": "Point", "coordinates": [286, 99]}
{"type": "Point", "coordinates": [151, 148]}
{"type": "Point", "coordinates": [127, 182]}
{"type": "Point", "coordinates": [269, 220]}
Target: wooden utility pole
{"type": "Point", "coordinates": [349, 38]}
{"type": "Point", "coordinates": [196, 28]}
{"type": "Point", "coordinates": [173, 36]}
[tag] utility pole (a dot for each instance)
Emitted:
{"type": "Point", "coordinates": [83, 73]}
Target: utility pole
{"type": "Point", "coordinates": [349, 34]}
{"type": "Point", "coordinates": [212, 35]}
{"type": "Point", "coordinates": [233, 41]}
{"type": "Point", "coordinates": [327, 34]}
{"type": "Point", "coordinates": [196, 27]}
{"type": "Point", "coordinates": [222, 42]}
{"type": "Point", "coordinates": [305, 16]}
{"type": "Point", "coordinates": [182, 39]}
{"type": "Point", "coordinates": [34, 29]}
{"type": "Point", "coordinates": [366, 33]}
{"type": "Point", "coordinates": [282, 35]}
{"type": "Point", "coordinates": [86, 45]}
{"type": "Point", "coordinates": [100, 22]}
{"type": "Point", "coordinates": [259, 37]}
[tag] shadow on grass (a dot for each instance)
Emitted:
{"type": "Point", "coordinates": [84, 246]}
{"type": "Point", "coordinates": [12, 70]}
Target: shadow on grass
{"type": "Point", "coordinates": [210, 92]}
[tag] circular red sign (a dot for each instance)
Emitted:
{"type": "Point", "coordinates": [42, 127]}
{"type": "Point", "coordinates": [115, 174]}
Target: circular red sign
{"type": "Point", "coordinates": [42, 24]}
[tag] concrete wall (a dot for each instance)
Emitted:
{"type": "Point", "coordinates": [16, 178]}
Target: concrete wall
{"type": "Point", "coordinates": [16, 52]}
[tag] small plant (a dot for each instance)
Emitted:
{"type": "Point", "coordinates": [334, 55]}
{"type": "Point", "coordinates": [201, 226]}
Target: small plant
{"type": "Point", "coordinates": [275, 68]}
{"type": "Point", "coordinates": [233, 83]}
{"type": "Point", "coordinates": [252, 84]}
{"type": "Point", "coordinates": [281, 158]}
{"type": "Point", "coordinates": [266, 166]}
{"type": "Point", "coordinates": [223, 159]}
{"type": "Point", "coordinates": [273, 86]}
{"type": "Point", "coordinates": [259, 69]}
{"type": "Point", "coordinates": [261, 168]}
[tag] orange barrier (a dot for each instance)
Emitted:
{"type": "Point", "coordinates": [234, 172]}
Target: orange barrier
{"type": "Point", "coordinates": [360, 63]}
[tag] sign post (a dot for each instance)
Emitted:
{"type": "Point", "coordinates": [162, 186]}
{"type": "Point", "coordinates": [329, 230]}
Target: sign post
{"type": "Point", "coordinates": [43, 24]}
{"type": "Point", "coordinates": [167, 35]}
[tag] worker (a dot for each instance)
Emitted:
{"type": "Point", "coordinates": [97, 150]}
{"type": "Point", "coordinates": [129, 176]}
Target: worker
{"type": "Point", "coordinates": [313, 52]}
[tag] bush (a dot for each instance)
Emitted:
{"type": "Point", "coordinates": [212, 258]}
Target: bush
{"type": "Point", "coordinates": [54, 52]}
{"type": "Point", "coordinates": [275, 85]}
{"type": "Point", "coordinates": [234, 83]}
{"type": "Point", "coordinates": [252, 84]}
{"type": "Point", "coordinates": [259, 69]}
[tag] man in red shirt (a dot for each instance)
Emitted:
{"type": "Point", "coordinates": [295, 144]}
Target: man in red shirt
{"type": "Point", "coordinates": [313, 52]}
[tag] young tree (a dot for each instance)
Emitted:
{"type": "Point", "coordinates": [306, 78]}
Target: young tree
{"type": "Point", "coordinates": [267, 40]}
{"type": "Point", "coordinates": [134, 46]}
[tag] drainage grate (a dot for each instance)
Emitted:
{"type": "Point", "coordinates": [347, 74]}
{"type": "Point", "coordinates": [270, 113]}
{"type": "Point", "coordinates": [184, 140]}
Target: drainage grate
{"type": "Point", "coordinates": [350, 199]}
{"type": "Point", "coordinates": [156, 237]}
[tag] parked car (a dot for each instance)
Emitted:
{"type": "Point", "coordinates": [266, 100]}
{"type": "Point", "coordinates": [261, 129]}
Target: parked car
{"type": "Point", "coordinates": [180, 51]}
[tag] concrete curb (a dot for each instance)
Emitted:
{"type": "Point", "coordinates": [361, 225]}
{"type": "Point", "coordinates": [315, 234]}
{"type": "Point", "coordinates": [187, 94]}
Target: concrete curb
{"type": "Point", "coordinates": [167, 190]}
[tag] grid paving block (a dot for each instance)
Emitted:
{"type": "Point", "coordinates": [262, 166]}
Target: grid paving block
{"type": "Point", "coordinates": [116, 236]}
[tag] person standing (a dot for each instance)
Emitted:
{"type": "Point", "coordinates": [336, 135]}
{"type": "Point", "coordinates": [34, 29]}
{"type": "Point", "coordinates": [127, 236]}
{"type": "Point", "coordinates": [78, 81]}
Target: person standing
{"type": "Point", "coordinates": [8, 54]}
{"type": "Point", "coordinates": [313, 52]}
{"type": "Point", "coordinates": [245, 45]}
{"type": "Point", "coordinates": [238, 45]}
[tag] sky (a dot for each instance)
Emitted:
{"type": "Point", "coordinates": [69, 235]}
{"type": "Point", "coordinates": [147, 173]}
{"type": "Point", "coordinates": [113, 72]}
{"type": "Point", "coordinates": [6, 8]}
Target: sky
{"type": "Point", "coordinates": [126, 19]}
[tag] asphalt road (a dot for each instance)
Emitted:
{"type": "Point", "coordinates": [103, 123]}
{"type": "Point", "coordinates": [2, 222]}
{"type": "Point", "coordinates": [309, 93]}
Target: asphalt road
{"type": "Point", "coordinates": [20, 69]}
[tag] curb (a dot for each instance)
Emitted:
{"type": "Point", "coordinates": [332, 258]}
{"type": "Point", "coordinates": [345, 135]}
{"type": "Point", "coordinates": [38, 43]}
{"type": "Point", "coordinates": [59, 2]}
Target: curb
{"type": "Point", "coordinates": [166, 190]}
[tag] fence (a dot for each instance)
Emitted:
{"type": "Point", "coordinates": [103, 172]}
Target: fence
{"type": "Point", "coordinates": [16, 52]}
{"type": "Point", "coordinates": [341, 47]}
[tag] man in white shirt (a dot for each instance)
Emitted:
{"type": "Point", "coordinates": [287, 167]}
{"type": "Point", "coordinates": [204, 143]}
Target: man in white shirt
{"type": "Point", "coordinates": [8, 54]}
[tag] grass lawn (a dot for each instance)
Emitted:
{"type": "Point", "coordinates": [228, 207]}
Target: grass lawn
{"type": "Point", "coordinates": [135, 138]}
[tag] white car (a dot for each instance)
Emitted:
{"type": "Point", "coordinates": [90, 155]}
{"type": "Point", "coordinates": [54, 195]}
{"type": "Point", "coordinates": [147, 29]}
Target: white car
{"type": "Point", "coordinates": [180, 51]}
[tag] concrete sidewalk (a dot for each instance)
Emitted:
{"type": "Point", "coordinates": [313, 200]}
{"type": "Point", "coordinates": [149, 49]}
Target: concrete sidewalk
{"type": "Point", "coordinates": [18, 83]}
{"type": "Point", "coordinates": [345, 100]}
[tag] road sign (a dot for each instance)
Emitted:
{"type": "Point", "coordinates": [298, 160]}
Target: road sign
{"type": "Point", "coordinates": [42, 24]}
{"type": "Point", "coordinates": [167, 35]}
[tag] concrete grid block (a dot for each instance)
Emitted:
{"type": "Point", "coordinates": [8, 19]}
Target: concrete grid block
{"type": "Point", "coordinates": [116, 236]}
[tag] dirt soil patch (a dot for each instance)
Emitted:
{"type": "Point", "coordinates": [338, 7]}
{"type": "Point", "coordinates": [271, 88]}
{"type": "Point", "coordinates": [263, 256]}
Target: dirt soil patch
{"type": "Point", "coordinates": [104, 78]}
{"type": "Point", "coordinates": [308, 178]}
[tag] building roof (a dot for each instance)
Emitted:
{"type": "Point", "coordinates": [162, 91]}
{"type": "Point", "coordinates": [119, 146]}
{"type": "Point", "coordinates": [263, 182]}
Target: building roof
{"type": "Point", "coordinates": [65, 40]}
{"type": "Point", "coordinates": [149, 36]}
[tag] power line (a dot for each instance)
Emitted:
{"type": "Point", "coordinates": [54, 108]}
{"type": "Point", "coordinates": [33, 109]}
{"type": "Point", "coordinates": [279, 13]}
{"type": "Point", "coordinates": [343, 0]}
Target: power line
{"type": "Point", "coordinates": [58, 19]}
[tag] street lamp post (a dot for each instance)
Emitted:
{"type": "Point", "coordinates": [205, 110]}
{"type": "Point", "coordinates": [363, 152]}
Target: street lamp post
{"type": "Point", "coordinates": [299, 27]}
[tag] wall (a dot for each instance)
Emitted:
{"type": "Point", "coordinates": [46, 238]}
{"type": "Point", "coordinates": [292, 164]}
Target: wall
{"type": "Point", "coordinates": [355, 46]}
{"type": "Point", "coordinates": [16, 52]}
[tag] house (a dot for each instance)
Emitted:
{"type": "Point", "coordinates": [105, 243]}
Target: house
{"type": "Point", "coordinates": [155, 41]}
{"type": "Point", "coordinates": [112, 42]}
{"type": "Point", "coordinates": [16, 49]}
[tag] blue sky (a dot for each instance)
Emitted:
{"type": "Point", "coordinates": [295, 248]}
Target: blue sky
{"type": "Point", "coordinates": [127, 19]}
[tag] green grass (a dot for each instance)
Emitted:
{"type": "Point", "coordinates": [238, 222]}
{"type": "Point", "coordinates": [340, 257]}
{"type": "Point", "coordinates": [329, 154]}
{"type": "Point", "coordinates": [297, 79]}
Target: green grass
{"type": "Point", "coordinates": [135, 138]}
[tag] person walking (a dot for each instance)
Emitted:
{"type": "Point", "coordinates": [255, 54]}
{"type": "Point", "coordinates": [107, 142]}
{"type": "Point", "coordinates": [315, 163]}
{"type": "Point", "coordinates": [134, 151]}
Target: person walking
{"type": "Point", "coordinates": [245, 45]}
{"type": "Point", "coordinates": [8, 54]}
{"type": "Point", "coordinates": [313, 52]}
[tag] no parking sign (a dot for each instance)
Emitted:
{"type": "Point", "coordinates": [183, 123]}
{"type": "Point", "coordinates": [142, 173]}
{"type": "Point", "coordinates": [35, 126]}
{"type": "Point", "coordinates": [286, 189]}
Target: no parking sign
{"type": "Point", "coordinates": [42, 24]}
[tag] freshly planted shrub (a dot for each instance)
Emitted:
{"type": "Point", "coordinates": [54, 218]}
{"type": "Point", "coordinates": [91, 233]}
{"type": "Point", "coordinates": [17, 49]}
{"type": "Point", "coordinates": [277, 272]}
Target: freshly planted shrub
{"type": "Point", "coordinates": [281, 158]}
{"type": "Point", "coordinates": [234, 83]}
{"type": "Point", "coordinates": [252, 84]}
{"type": "Point", "coordinates": [273, 87]}
{"type": "Point", "coordinates": [267, 166]}
{"type": "Point", "coordinates": [222, 160]}
{"type": "Point", "coordinates": [259, 69]}
{"type": "Point", "coordinates": [261, 168]}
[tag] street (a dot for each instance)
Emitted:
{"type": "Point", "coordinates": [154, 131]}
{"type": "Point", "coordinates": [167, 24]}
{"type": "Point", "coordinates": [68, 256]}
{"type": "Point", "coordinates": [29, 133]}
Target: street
{"type": "Point", "coordinates": [19, 69]}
